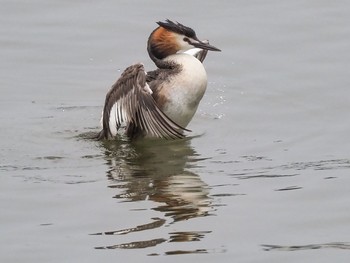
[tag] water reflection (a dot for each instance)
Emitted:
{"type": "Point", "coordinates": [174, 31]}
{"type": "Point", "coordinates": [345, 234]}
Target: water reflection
{"type": "Point", "coordinates": [158, 171]}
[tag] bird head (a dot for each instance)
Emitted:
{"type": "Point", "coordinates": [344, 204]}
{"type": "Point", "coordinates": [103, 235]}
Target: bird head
{"type": "Point", "coordinates": [170, 38]}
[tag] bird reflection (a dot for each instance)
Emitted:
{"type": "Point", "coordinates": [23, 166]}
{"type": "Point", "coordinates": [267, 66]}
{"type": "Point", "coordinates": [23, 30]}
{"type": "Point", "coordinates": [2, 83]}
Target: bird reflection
{"type": "Point", "coordinates": [158, 170]}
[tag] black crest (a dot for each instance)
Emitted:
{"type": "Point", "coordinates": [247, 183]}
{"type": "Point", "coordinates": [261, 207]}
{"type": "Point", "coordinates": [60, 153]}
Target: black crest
{"type": "Point", "coordinates": [178, 28]}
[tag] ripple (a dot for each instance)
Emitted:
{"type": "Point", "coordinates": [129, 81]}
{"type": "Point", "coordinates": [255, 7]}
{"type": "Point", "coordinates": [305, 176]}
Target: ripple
{"type": "Point", "coordinates": [136, 244]}
{"type": "Point", "coordinates": [72, 108]}
{"type": "Point", "coordinates": [157, 223]}
{"type": "Point", "coordinates": [187, 236]}
{"type": "Point", "coordinates": [182, 252]}
{"type": "Point", "coordinates": [289, 170]}
{"type": "Point", "coordinates": [336, 245]}
{"type": "Point", "coordinates": [289, 188]}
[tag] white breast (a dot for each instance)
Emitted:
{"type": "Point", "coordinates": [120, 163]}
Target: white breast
{"type": "Point", "coordinates": [186, 89]}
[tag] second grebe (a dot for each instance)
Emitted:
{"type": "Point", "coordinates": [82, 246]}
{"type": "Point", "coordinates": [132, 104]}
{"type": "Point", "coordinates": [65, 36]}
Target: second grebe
{"type": "Point", "coordinates": [162, 102]}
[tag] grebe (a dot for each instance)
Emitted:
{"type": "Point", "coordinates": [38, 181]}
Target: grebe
{"type": "Point", "coordinates": [162, 102]}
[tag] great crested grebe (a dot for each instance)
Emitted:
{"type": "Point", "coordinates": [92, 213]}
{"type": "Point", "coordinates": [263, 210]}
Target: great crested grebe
{"type": "Point", "coordinates": [162, 102]}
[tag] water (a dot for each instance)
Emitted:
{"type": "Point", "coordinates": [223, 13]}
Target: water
{"type": "Point", "coordinates": [263, 177]}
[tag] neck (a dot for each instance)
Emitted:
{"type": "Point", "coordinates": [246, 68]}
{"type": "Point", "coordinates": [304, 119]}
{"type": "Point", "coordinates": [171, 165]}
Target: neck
{"type": "Point", "coordinates": [160, 63]}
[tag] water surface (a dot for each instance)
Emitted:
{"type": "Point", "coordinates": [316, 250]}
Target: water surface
{"type": "Point", "coordinates": [264, 176]}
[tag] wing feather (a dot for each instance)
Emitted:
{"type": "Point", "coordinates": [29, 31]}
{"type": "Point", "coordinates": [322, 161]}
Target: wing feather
{"type": "Point", "coordinates": [129, 102]}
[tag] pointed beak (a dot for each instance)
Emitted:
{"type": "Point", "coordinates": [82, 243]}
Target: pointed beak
{"type": "Point", "coordinates": [204, 45]}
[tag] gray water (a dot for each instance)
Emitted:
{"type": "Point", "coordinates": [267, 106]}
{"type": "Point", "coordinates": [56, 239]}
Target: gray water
{"type": "Point", "coordinates": [263, 177]}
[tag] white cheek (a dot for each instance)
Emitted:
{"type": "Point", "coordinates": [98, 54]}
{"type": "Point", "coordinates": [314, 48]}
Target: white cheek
{"type": "Point", "coordinates": [184, 46]}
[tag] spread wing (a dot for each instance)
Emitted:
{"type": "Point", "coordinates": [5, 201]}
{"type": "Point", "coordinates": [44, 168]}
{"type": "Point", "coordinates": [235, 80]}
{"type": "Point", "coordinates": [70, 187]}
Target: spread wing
{"type": "Point", "coordinates": [129, 102]}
